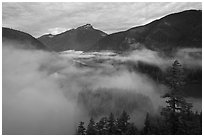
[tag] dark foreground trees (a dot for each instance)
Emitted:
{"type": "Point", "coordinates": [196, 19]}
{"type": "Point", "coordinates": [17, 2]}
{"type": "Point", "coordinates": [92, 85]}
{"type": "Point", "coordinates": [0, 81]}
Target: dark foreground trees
{"type": "Point", "coordinates": [187, 124]}
{"type": "Point", "coordinates": [81, 129]}
{"type": "Point", "coordinates": [176, 118]}
{"type": "Point", "coordinates": [110, 126]}
{"type": "Point", "coordinates": [178, 115]}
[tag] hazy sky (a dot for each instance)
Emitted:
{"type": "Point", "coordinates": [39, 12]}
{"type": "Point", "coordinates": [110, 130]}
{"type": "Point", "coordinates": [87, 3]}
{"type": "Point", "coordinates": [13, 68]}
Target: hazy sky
{"type": "Point", "coordinates": [40, 18]}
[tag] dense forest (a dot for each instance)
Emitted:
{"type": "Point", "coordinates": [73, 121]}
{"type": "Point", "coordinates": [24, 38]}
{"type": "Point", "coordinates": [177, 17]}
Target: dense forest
{"type": "Point", "coordinates": [176, 118]}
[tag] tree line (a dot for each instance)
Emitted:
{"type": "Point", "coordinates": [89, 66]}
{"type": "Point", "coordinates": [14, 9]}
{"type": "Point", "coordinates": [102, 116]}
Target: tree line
{"type": "Point", "coordinates": [176, 118]}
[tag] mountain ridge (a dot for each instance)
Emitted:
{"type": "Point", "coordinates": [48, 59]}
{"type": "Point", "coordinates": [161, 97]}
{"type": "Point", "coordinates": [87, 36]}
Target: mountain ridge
{"type": "Point", "coordinates": [21, 39]}
{"type": "Point", "coordinates": [174, 30]}
{"type": "Point", "coordinates": [81, 38]}
{"type": "Point", "coordinates": [177, 30]}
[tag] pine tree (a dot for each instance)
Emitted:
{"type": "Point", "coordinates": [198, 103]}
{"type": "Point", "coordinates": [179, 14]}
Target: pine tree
{"type": "Point", "coordinates": [147, 127]}
{"type": "Point", "coordinates": [122, 123]}
{"type": "Point", "coordinates": [131, 129]}
{"type": "Point", "coordinates": [91, 128]}
{"type": "Point", "coordinates": [111, 125]}
{"type": "Point", "coordinates": [176, 102]}
{"type": "Point", "coordinates": [102, 127]}
{"type": "Point", "coordinates": [81, 129]}
{"type": "Point", "coordinates": [175, 82]}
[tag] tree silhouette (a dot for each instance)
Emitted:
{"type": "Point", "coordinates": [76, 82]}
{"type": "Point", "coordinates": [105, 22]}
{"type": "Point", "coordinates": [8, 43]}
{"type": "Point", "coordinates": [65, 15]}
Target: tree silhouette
{"type": "Point", "coordinates": [111, 124]}
{"type": "Point", "coordinates": [81, 129]}
{"type": "Point", "coordinates": [102, 126]}
{"type": "Point", "coordinates": [147, 128]}
{"type": "Point", "coordinates": [131, 129]}
{"type": "Point", "coordinates": [91, 128]}
{"type": "Point", "coordinates": [122, 122]}
{"type": "Point", "coordinates": [175, 100]}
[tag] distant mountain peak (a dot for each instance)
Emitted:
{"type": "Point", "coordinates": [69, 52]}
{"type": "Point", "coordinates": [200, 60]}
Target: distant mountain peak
{"type": "Point", "coordinates": [86, 26]}
{"type": "Point", "coordinates": [81, 38]}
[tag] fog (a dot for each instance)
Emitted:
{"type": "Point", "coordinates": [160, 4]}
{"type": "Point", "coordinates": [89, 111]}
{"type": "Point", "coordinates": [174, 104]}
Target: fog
{"type": "Point", "coordinates": [49, 93]}
{"type": "Point", "coordinates": [190, 57]}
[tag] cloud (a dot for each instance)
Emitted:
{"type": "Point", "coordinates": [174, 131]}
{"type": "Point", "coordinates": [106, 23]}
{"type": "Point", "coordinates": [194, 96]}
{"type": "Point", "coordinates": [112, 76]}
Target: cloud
{"type": "Point", "coordinates": [41, 92]}
{"type": "Point", "coordinates": [38, 18]}
{"type": "Point", "coordinates": [32, 101]}
{"type": "Point", "coordinates": [50, 93]}
{"type": "Point", "coordinates": [190, 57]}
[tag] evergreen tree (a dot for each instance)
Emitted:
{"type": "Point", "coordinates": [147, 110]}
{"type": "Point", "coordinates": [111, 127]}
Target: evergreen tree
{"type": "Point", "coordinates": [81, 129]}
{"type": "Point", "coordinates": [175, 81]}
{"type": "Point", "coordinates": [91, 128]}
{"type": "Point", "coordinates": [102, 127]}
{"type": "Point", "coordinates": [122, 123]}
{"type": "Point", "coordinates": [111, 125]}
{"type": "Point", "coordinates": [147, 127]}
{"type": "Point", "coordinates": [176, 102]}
{"type": "Point", "coordinates": [131, 129]}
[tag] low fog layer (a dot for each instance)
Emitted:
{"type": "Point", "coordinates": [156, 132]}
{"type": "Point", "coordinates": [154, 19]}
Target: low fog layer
{"type": "Point", "coordinates": [49, 93]}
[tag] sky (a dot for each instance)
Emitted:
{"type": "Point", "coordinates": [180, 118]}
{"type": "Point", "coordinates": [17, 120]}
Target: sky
{"type": "Point", "coordinates": [38, 18]}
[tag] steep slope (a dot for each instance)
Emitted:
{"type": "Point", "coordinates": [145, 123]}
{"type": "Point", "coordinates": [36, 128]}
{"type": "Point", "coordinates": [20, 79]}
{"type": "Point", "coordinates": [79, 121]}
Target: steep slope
{"type": "Point", "coordinates": [20, 39]}
{"type": "Point", "coordinates": [182, 29]}
{"type": "Point", "coordinates": [81, 38]}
